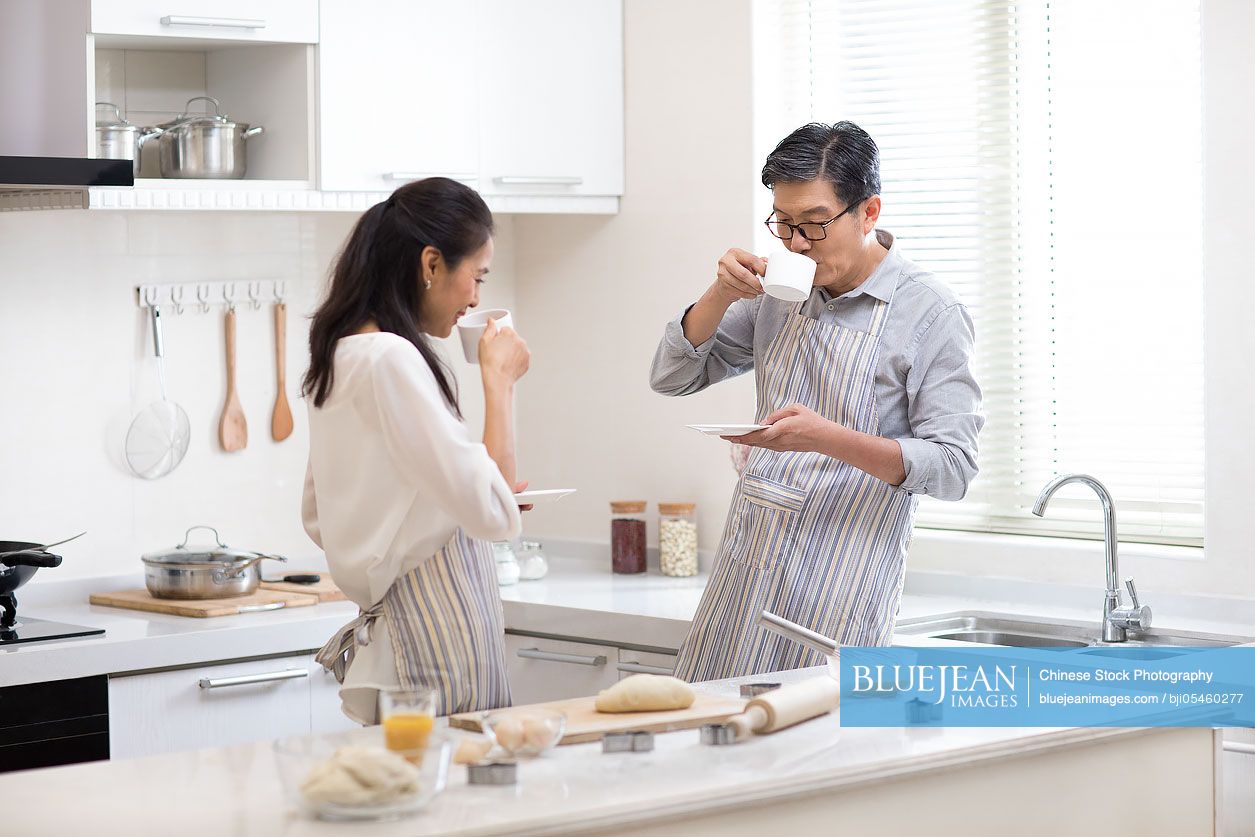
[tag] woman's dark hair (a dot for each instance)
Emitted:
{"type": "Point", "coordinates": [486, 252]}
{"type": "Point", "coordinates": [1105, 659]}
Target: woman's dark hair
{"type": "Point", "coordinates": [843, 154]}
{"type": "Point", "coordinates": [377, 276]}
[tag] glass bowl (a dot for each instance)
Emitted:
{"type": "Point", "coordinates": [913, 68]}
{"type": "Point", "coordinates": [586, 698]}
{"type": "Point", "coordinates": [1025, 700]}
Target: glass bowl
{"type": "Point", "coordinates": [416, 780]}
{"type": "Point", "coordinates": [525, 732]}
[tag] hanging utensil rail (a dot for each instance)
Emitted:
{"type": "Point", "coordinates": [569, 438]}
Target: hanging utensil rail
{"type": "Point", "coordinates": [205, 295]}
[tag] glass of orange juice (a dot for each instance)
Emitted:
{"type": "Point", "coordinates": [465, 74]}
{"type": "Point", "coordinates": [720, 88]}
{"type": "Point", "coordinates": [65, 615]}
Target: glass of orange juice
{"type": "Point", "coordinates": [407, 716]}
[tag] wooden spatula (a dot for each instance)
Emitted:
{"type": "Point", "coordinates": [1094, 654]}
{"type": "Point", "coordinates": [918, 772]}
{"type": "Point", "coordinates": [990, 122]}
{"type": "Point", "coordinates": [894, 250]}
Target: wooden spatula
{"type": "Point", "coordinates": [281, 419]}
{"type": "Point", "coordinates": [232, 428]}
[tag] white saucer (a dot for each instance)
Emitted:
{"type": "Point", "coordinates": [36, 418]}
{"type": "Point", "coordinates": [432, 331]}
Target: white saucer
{"type": "Point", "coordinates": [726, 429]}
{"type": "Point", "coordinates": [542, 495]}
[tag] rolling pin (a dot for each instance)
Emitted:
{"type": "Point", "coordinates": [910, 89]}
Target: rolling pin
{"type": "Point", "coordinates": [786, 706]}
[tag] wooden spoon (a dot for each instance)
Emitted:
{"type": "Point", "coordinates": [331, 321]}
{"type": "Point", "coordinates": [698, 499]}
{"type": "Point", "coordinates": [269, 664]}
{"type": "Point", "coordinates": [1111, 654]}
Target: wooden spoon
{"type": "Point", "coordinates": [281, 419]}
{"type": "Point", "coordinates": [232, 428]}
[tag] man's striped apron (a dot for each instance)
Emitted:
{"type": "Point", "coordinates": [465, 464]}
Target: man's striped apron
{"type": "Point", "coordinates": [447, 629]}
{"type": "Point", "coordinates": [808, 537]}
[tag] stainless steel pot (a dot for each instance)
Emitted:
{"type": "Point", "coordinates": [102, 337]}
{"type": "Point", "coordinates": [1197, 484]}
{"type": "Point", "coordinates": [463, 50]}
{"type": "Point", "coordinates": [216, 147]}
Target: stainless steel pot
{"type": "Point", "coordinates": [215, 572]}
{"type": "Point", "coordinates": [210, 146]}
{"type": "Point", "coordinates": [117, 139]}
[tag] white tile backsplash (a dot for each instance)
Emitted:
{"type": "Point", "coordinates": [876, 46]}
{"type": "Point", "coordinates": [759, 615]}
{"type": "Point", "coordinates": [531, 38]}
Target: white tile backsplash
{"type": "Point", "coordinates": [161, 82]}
{"type": "Point", "coordinates": [78, 365]}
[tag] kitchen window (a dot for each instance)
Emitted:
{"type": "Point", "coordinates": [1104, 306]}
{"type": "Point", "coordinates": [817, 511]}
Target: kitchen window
{"type": "Point", "coordinates": [1045, 160]}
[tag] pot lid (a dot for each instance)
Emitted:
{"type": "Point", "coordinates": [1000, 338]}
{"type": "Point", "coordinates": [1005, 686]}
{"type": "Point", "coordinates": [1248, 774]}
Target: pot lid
{"type": "Point", "coordinates": [215, 118]}
{"type": "Point", "coordinates": [116, 122]}
{"type": "Point", "coordinates": [218, 553]}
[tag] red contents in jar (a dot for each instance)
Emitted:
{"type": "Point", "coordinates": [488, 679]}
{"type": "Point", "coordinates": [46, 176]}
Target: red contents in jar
{"type": "Point", "coordinates": [627, 545]}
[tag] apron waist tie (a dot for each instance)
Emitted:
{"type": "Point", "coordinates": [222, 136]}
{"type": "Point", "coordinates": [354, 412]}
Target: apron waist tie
{"type": "Point", "coordinates": [337, 655]}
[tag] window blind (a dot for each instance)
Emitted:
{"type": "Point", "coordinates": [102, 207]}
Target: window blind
{"type": "Point", "coordinates": [1045, 160]}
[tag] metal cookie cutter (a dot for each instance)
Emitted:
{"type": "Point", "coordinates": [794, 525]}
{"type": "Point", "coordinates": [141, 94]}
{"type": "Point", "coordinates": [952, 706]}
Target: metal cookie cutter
{"type": "Point", "coordinates": [627, 742]}
{"type": "Point", "coordinates": [752, 690]}
{"type": "Point", "coordinates": [492, 773]}
{"type": "Point", "coordinates": [718, 734]}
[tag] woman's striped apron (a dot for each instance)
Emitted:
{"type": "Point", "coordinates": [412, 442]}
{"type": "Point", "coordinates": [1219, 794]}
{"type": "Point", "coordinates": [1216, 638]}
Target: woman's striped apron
{"type": "Point", "coordinates": [447, 629]}
{"type": "Point", "coordinates": [808, 537]}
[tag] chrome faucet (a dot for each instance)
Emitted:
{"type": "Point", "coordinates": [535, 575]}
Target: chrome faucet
{"type": "Point", "coordinates": [1116, 619]}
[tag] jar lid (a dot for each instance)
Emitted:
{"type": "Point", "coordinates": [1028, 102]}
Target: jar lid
{"type": "Point", "coordinates": [627, 506]}
{"type": "Point", "coordinates": [677, 508]}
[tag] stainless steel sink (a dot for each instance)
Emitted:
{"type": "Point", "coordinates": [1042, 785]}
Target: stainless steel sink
{"type": "Point", "coordinates": [1029, 632]}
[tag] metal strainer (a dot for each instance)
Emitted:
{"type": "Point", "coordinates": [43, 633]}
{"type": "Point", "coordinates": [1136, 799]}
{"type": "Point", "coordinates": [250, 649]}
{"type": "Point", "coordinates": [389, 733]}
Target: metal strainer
{"type": "Point", "coordinates": [159, 434]}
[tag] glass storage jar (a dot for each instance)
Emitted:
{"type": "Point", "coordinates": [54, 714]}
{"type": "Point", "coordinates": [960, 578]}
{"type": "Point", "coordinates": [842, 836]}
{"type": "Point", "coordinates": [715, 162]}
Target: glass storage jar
{"type": "Point", "coordinates": [627, 536]}
{"type": "Point", "coordinates": [507, 564]}
{"type": "Point", "coordinates": [677, 539]}
{"type": "Point", "coordinates": [532, 562]}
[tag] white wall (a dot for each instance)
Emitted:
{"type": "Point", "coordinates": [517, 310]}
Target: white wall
{"type": "Point", "coordinates": [77, 366]}
{"type": "Point", "coordinates": [594, 292]}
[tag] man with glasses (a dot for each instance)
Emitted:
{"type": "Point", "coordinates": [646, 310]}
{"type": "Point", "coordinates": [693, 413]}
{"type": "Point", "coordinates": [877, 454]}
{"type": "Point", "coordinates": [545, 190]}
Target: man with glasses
{"type": "Point", "coordinates": [868, 395]}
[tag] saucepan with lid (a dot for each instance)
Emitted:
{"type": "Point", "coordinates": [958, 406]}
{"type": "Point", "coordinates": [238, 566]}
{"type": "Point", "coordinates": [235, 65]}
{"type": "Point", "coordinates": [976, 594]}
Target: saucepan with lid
{"type": "Point", "coordinates": [117, 139]}
{"type": "Point", "coordinates": [203, 572]}
{"type": "Point", "coordinates": [208, 145]}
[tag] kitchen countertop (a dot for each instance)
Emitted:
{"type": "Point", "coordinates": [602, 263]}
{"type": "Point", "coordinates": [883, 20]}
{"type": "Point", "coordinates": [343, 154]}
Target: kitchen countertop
{"type": "Point", "coordinates": [236, 790]}
{"type": "Point", "coordinates": [579, 598]}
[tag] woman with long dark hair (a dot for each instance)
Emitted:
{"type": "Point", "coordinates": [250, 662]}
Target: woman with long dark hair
{"type": "Point", "coordinates": [400, 497]}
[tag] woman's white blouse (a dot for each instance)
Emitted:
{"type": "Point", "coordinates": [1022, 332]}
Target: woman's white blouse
{"type": "Point", "coordinates": [392, 475]}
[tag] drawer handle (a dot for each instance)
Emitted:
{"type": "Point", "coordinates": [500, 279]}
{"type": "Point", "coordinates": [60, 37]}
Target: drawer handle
{"type": "Point", "coordinates": [249, 679]}
{"type": "Point", "coordinates": [511, 180]}
{"type": "Point", "coordinates": [641, 668]}
{"type": "Point", "coordinates": [415, 175]}
{"type": "Point", "coordinates": [557, 657]}
{"type": "Point", "coordinates": [221, 22]}
{"type": "Point", "coordinates": [1238, 747]}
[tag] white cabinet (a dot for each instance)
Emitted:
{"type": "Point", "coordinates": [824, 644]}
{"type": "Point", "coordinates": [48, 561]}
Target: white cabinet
{"type": "Point", "coordinates": [645, 662]}
{"type": "Point", "coordinates": [275, 21]}
{"type": "Point", "coordinates": [210, 706]}
{"type": "Point", "coordinates": [398, 82]}
{"type": "Point", "coordinates": [552, 97]}
{"type": "Point", "coordinates": [549, 669]}
{"type": "Point", "coordinates": [324, 702]}
{"type": "Point", "coordinates": [516, 99]}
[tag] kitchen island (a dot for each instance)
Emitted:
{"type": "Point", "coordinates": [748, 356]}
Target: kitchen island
{"type": "Point", "coordinates": [813, 778]}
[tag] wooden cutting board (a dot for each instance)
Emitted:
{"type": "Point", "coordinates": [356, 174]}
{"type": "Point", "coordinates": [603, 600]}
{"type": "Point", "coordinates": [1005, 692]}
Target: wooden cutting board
{"type": "Point", "coordinates": [325, 589]}
{"type": "Point", "coordinates": [143, 600]}
{"type": "Point", "coordinates": [584, 723]}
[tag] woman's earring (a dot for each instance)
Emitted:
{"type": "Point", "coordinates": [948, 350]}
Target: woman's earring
{"type": "Point", "coordinates": [427, 284]}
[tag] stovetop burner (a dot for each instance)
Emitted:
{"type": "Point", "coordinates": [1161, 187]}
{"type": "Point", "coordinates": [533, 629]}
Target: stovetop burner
{"type": "Point", "coordinates": [35, 630]}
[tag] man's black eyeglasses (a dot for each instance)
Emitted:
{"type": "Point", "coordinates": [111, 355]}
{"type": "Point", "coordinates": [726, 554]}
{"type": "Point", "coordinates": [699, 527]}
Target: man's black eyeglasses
{"type": "Point", "coordinates": [809, 230]}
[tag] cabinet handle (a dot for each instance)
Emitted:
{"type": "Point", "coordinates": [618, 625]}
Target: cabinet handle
{"type": "Point", "coordinates": [222, 22]}
{"type": "Point", "coordinates": [641, 668]}
{"type": "Point", "coordinates": [249, 679]}
{"type": "Point", "coordinates": [510, 180]}
{"type": "Point", "coordinates": [1239, 747]}
{"type": "Point", "coordinates": [557, 657]}
{"type": "Point", "coordinates": [414, 175]}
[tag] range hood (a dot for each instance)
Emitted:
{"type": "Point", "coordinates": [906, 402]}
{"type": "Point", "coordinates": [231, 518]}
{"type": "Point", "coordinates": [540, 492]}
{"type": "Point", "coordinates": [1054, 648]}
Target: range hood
{"type": "Point", "coordinates": [24, 173]}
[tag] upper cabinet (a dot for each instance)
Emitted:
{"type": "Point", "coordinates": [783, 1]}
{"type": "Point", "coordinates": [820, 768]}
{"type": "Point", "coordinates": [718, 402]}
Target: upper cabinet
{"type": "Point", "coordinates": [521, 100]}
{"type": "Point", "coordinates": [552, 97]}
{"type": "Point", "coordinates": [397, 93]}
{"type": "Point", "coordinates": [274, 21]}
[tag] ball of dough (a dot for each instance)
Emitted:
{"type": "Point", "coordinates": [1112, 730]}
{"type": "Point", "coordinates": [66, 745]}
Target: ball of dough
{"type": "Point", "coordinates": [538, 734]}
{"type": "Point", "coordinates": [646, 693]}
{"type": "Point", "coordinates": [361, 776]}
{"type": "Point", "coordinates": [472, 749]}
{"type": "Point", "coordinates": [509, 733]}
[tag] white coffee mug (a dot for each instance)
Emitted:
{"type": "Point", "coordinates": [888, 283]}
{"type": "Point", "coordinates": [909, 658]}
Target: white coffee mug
{"type": "Point", "coordinates": [471, 329]}
{"type": "Point", "coordinates": [790, 276]}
